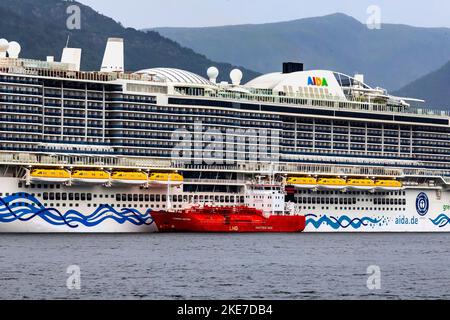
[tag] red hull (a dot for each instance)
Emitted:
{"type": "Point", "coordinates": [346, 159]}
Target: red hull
{"type": "Point", "coordinates": [226, 219]}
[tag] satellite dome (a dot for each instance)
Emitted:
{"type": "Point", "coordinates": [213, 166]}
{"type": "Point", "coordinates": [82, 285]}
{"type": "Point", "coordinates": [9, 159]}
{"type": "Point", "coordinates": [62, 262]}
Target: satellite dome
{"type": "Point", "coordinates": [236, 76]}
{"type": "Point", "coordinates": [4, 45]}
{"type": "Point", "coordinates": [14, 49]}
{"type": "Point", "coordinates": [213, 73]}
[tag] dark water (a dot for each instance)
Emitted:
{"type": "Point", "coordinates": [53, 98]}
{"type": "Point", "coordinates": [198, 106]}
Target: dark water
{"type": "Point", "coordinates": [301, 266]}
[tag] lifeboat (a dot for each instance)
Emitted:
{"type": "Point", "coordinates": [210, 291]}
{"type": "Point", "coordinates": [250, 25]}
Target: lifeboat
{"type": "Point", "coordinates": [50, 175]}
{"type": "Point", "coordinates": [360, 184]}
{"type": "Point", "coordinates": [388, 185]}
{"type": "Point", "coordinates": [129, 178]}
{"type": "Point", "coordinates": [302, 182]}
{"type": "Point", "coordinates": [332, 183]}
{"type": "Point", "coordinates": [90, 176]}
{"type": "Point", "coordinates": [173, 179]}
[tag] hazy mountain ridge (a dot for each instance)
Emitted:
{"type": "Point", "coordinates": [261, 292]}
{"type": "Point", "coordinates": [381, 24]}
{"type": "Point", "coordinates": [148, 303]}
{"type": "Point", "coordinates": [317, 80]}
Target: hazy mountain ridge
{"type": "Point", "coordinates": [434, 88]}
{"type": "Point", "coordinates": [40, 27]}
{"type": "Point", "coordinates": [390, 57]}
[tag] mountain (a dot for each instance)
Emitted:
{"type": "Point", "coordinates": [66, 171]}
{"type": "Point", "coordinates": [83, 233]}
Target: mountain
{"type": "Point", "coordinates": [390, 57]}
{"type": "Point", "coordinates": [40, 27]}
{"type": "Point", "coordinates": [433, 88]}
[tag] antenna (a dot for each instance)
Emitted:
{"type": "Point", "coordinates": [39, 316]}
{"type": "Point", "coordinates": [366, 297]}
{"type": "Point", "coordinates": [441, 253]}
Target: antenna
{"type": "Point", "coordinates": [68, 39]}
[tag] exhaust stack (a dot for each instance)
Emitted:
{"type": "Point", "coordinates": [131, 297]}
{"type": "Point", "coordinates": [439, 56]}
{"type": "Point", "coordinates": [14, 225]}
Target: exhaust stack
{"type": "Point", "coordinates": [72, 56]}
{"type": "Point", "coordinates": [113, 59]}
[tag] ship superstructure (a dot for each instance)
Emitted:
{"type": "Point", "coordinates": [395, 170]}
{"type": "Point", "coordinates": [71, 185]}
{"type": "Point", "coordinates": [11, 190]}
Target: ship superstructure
{"type": "Point", "coordinates": [99, 151]}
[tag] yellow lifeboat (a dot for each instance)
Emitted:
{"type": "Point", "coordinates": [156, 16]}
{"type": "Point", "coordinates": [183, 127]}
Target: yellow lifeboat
{"type": "Point", "coordinates": [49, 175]}
{"type": "Point", "coordinates": [388, 185]}
{"type": "Point", "coordinates": [157, 178]}
{"type": "Point", "coordinates": [360, 184]}
{"type": "Point", "coordinates": [332, 183]}
{"type": "Point", "coordinates": [90, 176]}
{"type": "Point", "coordinates": [302, 182]}
{"type": "Point", "coordinates": [129, 177]}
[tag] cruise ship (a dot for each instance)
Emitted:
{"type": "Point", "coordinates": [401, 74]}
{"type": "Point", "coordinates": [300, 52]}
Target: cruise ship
{"type": "Point", "coordinates": [99, 151]}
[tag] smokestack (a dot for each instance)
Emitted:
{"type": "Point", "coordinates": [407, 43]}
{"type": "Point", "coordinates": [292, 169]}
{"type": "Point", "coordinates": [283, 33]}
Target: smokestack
{"type": "Point", "coordinates": [72, 56]}
{"type": "Point", "coordinates": [113, 60]}
{"type": "Point", "coordinates": [290, 67]}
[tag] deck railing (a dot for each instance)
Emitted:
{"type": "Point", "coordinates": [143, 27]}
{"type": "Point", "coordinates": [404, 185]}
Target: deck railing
{"type": "Point", "coordinates": [34, 160]}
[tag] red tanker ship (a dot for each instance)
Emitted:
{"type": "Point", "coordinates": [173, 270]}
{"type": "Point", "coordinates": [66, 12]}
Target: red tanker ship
{"type": "Point", "coordinates": [237, 219]}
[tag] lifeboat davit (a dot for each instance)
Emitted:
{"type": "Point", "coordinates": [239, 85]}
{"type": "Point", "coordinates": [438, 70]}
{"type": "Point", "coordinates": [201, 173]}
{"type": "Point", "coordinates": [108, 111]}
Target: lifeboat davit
{"type": "Point", "coordinates": [50, 175]}
{"type": "Point", "coordinates": [90, 176]}
{"type": "Point", "coordinates": [302, 182]}
{"type": "Point", "coordinates": [173, 179]}
{"type": "Point", "coordinates": [129, 178]}
{"type": "Point", "coordinates": [238, 219]}
{"type": "Point", "coordinates": [388, 185]}
{"type": "Point", "coordinates": [360, 184]}
{"type": "Point", "coordinates": [332, 184]}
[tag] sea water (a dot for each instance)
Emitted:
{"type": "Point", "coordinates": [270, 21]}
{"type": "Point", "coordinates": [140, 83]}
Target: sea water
{"type": "Point", "coordinates": [225, 266]}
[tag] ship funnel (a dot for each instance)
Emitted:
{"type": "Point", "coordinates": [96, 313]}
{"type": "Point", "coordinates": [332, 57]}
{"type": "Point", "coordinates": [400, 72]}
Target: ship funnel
{"type": "Point", "coordinates": [291, 67]}
{"type": "Point", "coordinates": [72, 56]}
{"type": "Point", "coordinates": [113, 59]}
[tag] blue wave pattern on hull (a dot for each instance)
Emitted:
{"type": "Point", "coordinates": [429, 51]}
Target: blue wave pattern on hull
{"type": "Point", "coordinates": [441, 221]}
{"type": "Point", "coordinates": [343, 222]}
{"type": "Point", "coordinates": [25, 207]}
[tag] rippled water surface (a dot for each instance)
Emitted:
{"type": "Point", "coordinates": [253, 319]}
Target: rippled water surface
{"type": "Point", "coordinates": [189, 266]}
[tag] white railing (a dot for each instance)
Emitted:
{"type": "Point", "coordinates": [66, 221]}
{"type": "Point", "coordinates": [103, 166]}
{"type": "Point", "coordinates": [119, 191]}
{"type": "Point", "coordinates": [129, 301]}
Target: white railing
{"type": "Point", "coordinates": [215, 181]}
{"type": "Point", "coordinates": [366, 169]}
{"type": "Point", "coordinates": [334, 102]}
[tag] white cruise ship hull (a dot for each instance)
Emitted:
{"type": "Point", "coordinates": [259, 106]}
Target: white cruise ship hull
{"type": "Point", "coordinates": [423, 210]}
{"type": "Point", "coordinates": [40, 208]}
{"type": "Point", "coordinates": [32, 209]}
